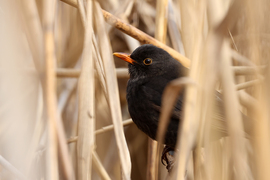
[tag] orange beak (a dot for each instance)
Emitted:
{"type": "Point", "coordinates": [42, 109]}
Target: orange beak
{"type": "Point", "coordinates": [125, 57]}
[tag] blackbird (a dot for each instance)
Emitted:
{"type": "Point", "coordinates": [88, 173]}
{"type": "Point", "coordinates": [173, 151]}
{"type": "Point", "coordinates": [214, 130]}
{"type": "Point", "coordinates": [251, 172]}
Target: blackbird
{"type": "Point", "coordinates": [151, 69]}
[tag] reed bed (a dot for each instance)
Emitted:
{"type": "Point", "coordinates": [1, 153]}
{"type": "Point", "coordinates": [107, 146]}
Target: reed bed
{"type": "Point", "coordinates": [63, 112]}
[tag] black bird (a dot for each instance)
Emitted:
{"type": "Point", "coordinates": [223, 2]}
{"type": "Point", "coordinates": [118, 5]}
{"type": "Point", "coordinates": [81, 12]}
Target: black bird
{"type": "Point", "coordinates": [151, 69]}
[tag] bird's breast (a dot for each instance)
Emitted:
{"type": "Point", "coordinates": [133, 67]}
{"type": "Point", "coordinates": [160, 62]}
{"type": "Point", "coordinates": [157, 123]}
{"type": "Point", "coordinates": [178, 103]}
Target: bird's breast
{"type": "Point", "coordinates": [141, 104]}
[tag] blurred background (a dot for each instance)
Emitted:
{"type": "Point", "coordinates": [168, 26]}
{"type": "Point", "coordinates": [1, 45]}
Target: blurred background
{"type": "Point", "coordinates": [63, 109]}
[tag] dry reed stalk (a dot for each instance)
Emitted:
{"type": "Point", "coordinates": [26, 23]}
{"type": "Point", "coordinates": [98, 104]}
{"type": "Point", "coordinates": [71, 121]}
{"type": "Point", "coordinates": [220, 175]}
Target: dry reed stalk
{"type": "Point", "coordinates": [69, 49]}
{"type": "Point", "coordinates": [111, 127]}
{"type": "Point", "coordinates": [70, 85]}
{"type": "Point", "coordinates": [143, 38]}
{"type": "Point", "coordinates": [131, 42]}
{"type": "Point", "coordinates": [174, 33]}
{"type": "Point", "coordinates": [34, 35]}
{"type": "Point", "coordinates": [139, 35]}
{"type": "Point", "coordinates": [233, 116]}
{"type": "Point", "coordinates": [122, 73]}
{"type": "Point", "coordinates": [75, 73]}
{"type": "Point", "coordinates": [52, 162]}
{"type": "Point", "coordinates": [246, 70]}
{"type": "Point", "coordinates": [64, 72]}
{"type": "Point", "coordinates": [86, 119]}
{"type": "Point", "coordinates": [232, 39]}
{"type": "Point", "coordinates": [161, 20]}
{"type": "Point", "coordinates": [247, 100]}
{"type": "Point", "coordinates": [99, 67]}
{"type": "Point", "coordinates": [160, 34]}
{"type": "Point", "coordinates": [247, 84]}
{"type": "Point", "coordinates": [73, 3]}
{"type": "Point", "coordinates": [147, 13]}
{"type": "Point", "coordinates": [113, 94]}
{"type": "Point", "coordinates": [169, 99]}
{"type": "Point", "coordinates": [152, 160]}
{"type": "Point", "coordinates": [102, 130]}
{"type": "Point", "coordinates": [241, 58]}
{"type": "Point", "coordinates": [208, 120]}
{"type": "Point", "coordinates": [258, 16]}
{"type": "Point", "coordinates": [190, 120]}
{"type": "Point", "coordinates": [81, 7]}
{"type": "Point", "coordinates": [211, 121]}
{"type": "Point", "coordinates": [188, 25]}
{"type": "Point", "coordinates": [66, 94]}
{"type": "Point", "coordinates": [216, 170]}
{"type": "Point", "coordinates": [65, 162]}
{"type": "Point", "coordinates": [218, 160]}
{"type": "Point", "coordinates": [231, 17]}
{"type": "Point", "coordinates": [55, 126]}
{"type": "Point", "coordinates": [225, 171]}
{"type": "Point", "coordinates": [261, 133]}
{"type": "Point", "coordinates": [212, 118]}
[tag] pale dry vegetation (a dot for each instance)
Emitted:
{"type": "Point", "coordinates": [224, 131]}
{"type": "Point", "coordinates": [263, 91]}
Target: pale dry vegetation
{"type": "Point", "coordinates": [63, 112]}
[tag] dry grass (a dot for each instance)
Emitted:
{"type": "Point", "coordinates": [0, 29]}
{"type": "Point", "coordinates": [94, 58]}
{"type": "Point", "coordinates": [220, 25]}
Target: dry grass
{"type": "Point", "coordinates": [63, 113]}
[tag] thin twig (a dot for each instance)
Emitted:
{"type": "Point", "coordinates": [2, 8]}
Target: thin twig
{"type": "Point", "coordinates": [102, 130]}
{"type": "Point", "coordinates": [234, 45]}
{"type": "Point", "coordinates": [56, 130]}
{"type": "Point", "coordinates": [99, 167]}
{"type": "Point", "coordinates": [75, 73]}
{"type": "Point", "coordinates": [68, 73]}
{"type": "Point", "coordinates": [138, 34]}
{"type": "Point", "coordinates": [113, 94]}
{"type": "Point", "coordinates": [110, 127]}
{"type": "Point", "coordinates": [247, 70]}
{"type": "Point", "coordinates": [72, 139]}
{"type": "Point", "coordinates": [161, 20]}
{"type": "Point", "coordinates": [233, 116]}
{"type": "Point", "coordinates": [247, 84]}
{"type": "Point", "coordinates": [86, 123]}
{"type": "Point", "coordinates": [143, 37]}
{"type": "Point", "coordinates": [160, 34]}
{"type": "Point", "coordinates": [122, 73]}
{"type": "Point", "coordinates": [99, 69]}
{"type": "Point", "coordinates": [190, 124]}
{"type": "Point", "coordinates": [247, 100]}
{"type": "Point", "coordinates": [174, 33]}
{"type": "Point", "coordinates": [50, 59]}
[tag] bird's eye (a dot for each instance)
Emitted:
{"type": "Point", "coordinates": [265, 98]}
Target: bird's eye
{"type": "Point", "coordinates": [147, 61]}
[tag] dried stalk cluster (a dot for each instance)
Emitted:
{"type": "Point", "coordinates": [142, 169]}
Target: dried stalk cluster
{"type": "Point", "coordinates": [63, 109]}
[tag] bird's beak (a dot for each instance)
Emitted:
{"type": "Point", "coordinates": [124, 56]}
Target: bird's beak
{"type": "Point", "coordinates": [125, 57]}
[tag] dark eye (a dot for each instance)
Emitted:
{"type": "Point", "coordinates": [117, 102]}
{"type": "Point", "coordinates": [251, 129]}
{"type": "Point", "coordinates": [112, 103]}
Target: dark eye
{"type": "Point", "coordinates": [147, 61]}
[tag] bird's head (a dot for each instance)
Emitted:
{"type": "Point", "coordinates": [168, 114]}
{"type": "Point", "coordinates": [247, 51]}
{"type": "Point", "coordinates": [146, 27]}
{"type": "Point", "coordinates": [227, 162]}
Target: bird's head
{"type": "Point", "coordinates": [149, 61]}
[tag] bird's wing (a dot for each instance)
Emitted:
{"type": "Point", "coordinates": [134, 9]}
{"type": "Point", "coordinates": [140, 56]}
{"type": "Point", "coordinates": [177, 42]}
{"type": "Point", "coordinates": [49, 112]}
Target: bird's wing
{"type": "Point", "coordinates": [218, 123]}
{"type": "Point", "coordinates": [154, 89]}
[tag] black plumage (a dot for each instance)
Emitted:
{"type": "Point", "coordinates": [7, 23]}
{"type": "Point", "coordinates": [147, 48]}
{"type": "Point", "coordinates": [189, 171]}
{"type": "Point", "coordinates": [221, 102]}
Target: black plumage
{"type": "Point", "coordinates": [151, 69]}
